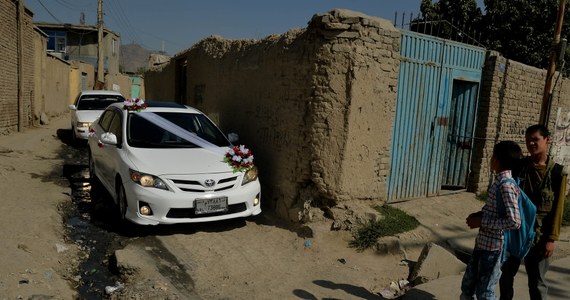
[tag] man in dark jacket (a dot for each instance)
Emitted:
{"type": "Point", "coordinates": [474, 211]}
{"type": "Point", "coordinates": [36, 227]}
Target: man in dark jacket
{"type": "Point", "coordinates": [544, 181]}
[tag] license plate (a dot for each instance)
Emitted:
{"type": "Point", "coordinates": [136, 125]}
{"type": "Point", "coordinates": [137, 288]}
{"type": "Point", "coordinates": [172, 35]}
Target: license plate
{"type": "Point", "coordinates": [211, 205]}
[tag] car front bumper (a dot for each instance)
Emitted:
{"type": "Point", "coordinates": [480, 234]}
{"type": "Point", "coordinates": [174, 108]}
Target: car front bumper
{"type": "Point", "coordinates": [82, 133]}
{"type": "Point", "coordinates": [178, 207]}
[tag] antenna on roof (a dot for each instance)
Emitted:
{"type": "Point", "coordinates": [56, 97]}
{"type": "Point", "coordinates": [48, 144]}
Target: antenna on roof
{"type": "Point", "coordinates": [82, 18]}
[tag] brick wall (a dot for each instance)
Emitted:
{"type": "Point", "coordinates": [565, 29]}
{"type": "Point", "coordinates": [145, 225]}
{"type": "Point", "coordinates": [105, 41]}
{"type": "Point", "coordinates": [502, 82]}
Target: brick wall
{"type": "Point", "coordinates": [9, 58]}
{"type": "Point", "coordinates": [511, 97]}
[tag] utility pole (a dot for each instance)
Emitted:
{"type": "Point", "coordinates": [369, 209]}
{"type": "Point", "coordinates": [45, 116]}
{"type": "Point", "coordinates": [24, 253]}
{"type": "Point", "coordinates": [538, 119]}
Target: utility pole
{"type": "Point", "coordinates": [100, 53]}
{"type": "Point", "coordinates": [547, 95]}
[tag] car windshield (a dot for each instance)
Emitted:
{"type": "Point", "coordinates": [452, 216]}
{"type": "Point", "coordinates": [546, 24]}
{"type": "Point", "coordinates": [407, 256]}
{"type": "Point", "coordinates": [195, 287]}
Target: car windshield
{"type": "Point", "coordinates": [97, 102]}
{"type": "Point", "coordinates": [141, 133]}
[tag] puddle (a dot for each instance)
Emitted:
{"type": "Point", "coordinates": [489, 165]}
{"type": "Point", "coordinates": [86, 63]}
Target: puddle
{"type": "Point", "coordinates": [87, 226]}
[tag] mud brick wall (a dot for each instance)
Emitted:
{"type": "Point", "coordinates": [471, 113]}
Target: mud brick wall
{"type": "Point", "coordinates": [510, 101]}
{"type": "Point", "coordinates": [9, 59]}
{"type": "Point", "coordinates": [316, 105]}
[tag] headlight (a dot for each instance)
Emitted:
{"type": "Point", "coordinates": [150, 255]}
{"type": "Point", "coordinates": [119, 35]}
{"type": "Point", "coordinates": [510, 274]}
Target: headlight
{"type": "Point", "coordinates": [83, 124]}
{"type": "Point", "coordinates": [250, 176]}
{"type": "Point", "coordinates": [147, 180]}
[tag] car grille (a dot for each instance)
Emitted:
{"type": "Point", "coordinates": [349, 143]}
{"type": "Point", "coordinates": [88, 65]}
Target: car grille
{"type": "Point", "coordinates": [179, 213]}
{"type": "Point", "coordinates": [196, 186]}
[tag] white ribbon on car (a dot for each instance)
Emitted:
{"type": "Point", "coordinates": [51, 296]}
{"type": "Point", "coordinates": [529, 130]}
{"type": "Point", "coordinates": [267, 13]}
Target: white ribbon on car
{"type": "Point", "coordinates": [181, 132]}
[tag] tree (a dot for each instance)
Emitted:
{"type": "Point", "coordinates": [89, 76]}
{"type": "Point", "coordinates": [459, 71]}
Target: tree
{"type": "Point", "coordinates": [449, 18]}
{"type": "Point", "coordinates": [522, 30]}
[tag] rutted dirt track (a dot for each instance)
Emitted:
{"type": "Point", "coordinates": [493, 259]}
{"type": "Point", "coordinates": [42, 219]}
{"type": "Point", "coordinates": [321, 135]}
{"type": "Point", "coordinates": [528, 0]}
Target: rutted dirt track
{"type": "Point", "coordinates": [257, 258]}
{"type": "Point", "coordinates": [254, 258]}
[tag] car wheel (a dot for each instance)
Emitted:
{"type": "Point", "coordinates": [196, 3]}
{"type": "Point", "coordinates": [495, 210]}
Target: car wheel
{"type": "Point", "coordinates": [73, 136]}
{"type": "Point", "coordinates": [122, 202]}
{"type": "Point", "coordinates": [92, 175]}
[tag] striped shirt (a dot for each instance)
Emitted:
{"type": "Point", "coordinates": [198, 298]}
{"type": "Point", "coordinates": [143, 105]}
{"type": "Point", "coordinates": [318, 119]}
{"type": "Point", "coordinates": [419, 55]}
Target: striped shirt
{"type": "Point", "coordinates": [490, 235]}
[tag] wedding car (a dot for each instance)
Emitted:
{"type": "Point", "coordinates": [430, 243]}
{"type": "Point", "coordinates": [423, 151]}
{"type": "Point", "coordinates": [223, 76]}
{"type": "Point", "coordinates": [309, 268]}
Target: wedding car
{"type": "Point", "coordinates": [166, 163]}
{"type": "Point", "coordinates": [87, 107]}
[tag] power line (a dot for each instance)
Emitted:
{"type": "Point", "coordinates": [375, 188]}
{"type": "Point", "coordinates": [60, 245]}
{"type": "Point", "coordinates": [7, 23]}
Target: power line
{"type": "Point", "coordinates": [49, 12]}
{"type": "Point", "coordinates": [118, 15]}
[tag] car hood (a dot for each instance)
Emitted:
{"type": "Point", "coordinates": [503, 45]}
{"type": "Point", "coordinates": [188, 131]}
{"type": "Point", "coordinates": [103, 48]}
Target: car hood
{"type": "Point", "coordinates": [88, 115]}
{"type": "Point", "coordinates": [178, 161]}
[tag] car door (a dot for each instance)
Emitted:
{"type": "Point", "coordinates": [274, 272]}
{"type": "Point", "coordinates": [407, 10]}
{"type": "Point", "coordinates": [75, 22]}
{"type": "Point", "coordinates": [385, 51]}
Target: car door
{"type": "Point", "coordinates": [96, 147]}
{"type": "Point", "coordinates": [111, 156]}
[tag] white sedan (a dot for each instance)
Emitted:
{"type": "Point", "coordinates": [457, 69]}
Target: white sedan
{"type": "Point", "coordinates": [87, 107]}
{"type": "Point", "coordinates": [169, 163]}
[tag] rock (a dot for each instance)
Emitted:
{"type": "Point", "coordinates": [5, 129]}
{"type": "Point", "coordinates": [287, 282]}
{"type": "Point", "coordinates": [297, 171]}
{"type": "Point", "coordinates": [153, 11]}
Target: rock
{"type": "Point", "coordinates": [44, 120]}
{"type": "Point", "coordinates": [389, 245]}
{"type": "Point", "coordinates": [61, 248]}
{"type": "Point", "coordinates": [435, 262]}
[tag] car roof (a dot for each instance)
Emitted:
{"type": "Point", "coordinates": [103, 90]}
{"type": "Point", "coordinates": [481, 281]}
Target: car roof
{"type": "Point", "coordinates": [164, 106]}
{"type": "Point", "coordinates": [100, 92]}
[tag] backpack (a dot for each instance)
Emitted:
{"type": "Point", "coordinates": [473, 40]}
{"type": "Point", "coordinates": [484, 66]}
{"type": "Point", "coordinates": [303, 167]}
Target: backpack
{"type": "Point", "coordinates": [519, 241]}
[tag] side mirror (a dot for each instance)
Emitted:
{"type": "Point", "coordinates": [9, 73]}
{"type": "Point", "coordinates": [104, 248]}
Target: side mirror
{"type": "Point", "coordinates": [109, 138]}
{"type": "Point", "coordinates": [233, 137]}
{"type": "Point", "coordinates": [71, 107]}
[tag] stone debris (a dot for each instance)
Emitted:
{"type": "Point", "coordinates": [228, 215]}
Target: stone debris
{"type": "Point", "coordinates": [435, 262]}
{"type": "Point", "coordinates": [111, 289]}
{"type": "Point", "coordinates": [396, 289]}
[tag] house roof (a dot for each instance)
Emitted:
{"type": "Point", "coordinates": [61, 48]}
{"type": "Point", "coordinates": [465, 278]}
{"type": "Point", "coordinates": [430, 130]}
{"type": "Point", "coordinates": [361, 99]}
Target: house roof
{"type": "Point", "coordinates": [68, 26]}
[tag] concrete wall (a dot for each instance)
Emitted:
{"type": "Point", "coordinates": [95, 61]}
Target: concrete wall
{"type": "Point", "coordinates": [315, 105]}
{"type": "Point", "coordinates": [56, 92]}
{"type": "Point", "coordinates": [16, 101]}
{"type": "Point", "coordinates": [120, 83]}
{"type": "Point", "coordinates": [81, 77]}
{"type": "Point", "coordinates": [160, 82]}
{"type": "Point", "coordinates": [511, 98]}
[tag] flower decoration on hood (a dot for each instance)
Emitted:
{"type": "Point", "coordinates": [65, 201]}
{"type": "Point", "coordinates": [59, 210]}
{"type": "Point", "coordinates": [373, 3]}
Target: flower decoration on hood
{"type": "Point", "coordinates": [239, 158]}
{"type": "Point", "coordinates": [134, 104]}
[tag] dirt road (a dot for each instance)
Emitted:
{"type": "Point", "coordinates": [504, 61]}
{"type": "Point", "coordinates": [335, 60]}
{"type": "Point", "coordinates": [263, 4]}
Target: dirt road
{"type": "Point", "coordinates": [255, 258]}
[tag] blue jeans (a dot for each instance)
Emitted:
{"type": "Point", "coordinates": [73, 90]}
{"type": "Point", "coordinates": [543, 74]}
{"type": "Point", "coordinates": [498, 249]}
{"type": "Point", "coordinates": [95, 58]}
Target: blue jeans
{"type": "Point", "coordinates": [482, 275]}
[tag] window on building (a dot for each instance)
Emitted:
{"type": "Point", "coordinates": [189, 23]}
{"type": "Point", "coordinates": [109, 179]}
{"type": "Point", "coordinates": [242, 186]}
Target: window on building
{"type": "Point", "coordinates": [114, 46]}
{"type": "Point", "coordinates": [57, 41]}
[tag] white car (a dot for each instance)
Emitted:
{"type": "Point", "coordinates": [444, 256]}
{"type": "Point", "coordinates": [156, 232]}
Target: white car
{"type": "Point", "coordinates": [87, 107]}
{"type": "Point", "coordinates": [170, 171]}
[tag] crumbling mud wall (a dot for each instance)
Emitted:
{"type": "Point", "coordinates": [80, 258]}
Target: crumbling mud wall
{"type": "Point", "coordinates": [316, 106]}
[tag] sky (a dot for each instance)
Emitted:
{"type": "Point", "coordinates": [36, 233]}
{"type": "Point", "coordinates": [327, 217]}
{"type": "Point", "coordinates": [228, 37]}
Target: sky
{"type": "Point", "coordinates": [175, 25]}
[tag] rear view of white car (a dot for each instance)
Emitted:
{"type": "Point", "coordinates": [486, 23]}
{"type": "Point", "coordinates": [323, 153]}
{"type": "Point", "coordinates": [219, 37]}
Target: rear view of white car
{"type": "Point", "coordinates": [87, 107]}
{"type": "Point", "coordinates": [168, 163]}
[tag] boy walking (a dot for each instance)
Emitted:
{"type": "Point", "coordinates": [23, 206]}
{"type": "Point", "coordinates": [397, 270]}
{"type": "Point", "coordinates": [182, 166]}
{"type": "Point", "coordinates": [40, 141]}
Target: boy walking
{"type": "Point", "coordinates": [484, 268]}
{"type": "Point", "coordinates": [544, 181]}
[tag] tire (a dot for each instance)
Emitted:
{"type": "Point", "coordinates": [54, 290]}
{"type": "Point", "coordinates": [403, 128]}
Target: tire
{"type": "Point", "coordinates": [73, 136]}
{"type": "Point", "coordinates": [96, 185]}
{"type": "Point", "coordinates": [122, 202]}
{"type": "Point", "coordinates": [92, 176]}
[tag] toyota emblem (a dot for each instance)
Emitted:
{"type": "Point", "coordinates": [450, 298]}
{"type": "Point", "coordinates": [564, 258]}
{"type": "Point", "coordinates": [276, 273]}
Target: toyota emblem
{"type": "Point", "coordinates": [209, 182]}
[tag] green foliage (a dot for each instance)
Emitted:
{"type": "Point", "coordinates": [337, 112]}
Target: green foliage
{"type": "Point", "coordinates": [395, 221]}
{"type": "Point", "coordinates": [521, 30]}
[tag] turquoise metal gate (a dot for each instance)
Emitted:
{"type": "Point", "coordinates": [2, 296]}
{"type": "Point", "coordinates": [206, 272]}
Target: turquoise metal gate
{"type": "Point", "coordinates": [435, 114]}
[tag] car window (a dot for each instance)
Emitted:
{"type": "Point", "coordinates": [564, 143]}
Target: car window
{"type": "Point", "coordinates": [142, 133]}
{"type": "Point", "coordinates": [105, 120]}
{"type": "Point", "coordinates": [115, 126]}
{"type": "Point", "coordinates": [97, 102]}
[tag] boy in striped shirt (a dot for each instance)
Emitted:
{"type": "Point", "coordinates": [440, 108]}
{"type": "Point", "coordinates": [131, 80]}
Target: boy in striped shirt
{"type": "Point", "coordinates": [484, 268]}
